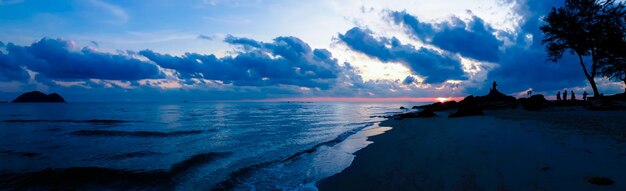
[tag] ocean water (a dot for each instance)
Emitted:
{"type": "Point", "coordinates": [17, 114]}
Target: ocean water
{"type": "Point", "coordinates": [183, 146]}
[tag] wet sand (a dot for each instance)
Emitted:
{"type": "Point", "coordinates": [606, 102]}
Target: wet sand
{"type": "Point", "coordinates": [557, 149]}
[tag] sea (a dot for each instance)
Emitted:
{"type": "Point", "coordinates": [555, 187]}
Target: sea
{"type": "Point", "coordinates": [183, 146]}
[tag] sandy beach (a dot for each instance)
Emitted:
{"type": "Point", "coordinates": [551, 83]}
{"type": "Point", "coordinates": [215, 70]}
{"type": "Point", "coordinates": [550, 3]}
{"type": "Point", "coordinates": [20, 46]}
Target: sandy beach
{"type": "Point", "coordinates": [564, 148]}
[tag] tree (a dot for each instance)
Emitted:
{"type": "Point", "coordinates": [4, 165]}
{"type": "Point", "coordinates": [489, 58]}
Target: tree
{"type": "Point", "coordinates": [581, 27]}
{"type": "Point", "coordinates": [614, 63]}
{"type": "Point", "coordinates": [613, 48]}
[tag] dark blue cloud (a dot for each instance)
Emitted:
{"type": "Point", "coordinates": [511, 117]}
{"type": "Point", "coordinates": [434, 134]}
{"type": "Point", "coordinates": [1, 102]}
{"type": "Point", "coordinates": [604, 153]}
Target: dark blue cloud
{"type": "Point", "coordinates": [421, 30]}
{"type": "Point", "coordinates": [525, 64]}
{"type": "Point", "coordinates": [246, 42]}
{"type": "Point", "coordinates": [205, 37]}
{"type": "Point", "coordinates": [408, 80]}
{"type": "Point", "coordinates": [474, 39]}
{"type": "Point", "coordinates": [479, 42]}
{"type": "Point", "coordinates": [521, 66]}
{"type": "Point", "coordinates": [286, 61]}
{"type": "Point", "coordinates": [54, 59]}
{"type": "Point", "coordinates": [435, 67]}
{"type": "Point", "coordinates": [9, 71]}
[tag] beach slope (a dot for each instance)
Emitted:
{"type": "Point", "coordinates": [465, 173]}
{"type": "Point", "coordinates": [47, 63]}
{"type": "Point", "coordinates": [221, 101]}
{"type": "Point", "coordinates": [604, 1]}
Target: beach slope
{"type": "Point", "coordinates": [566, 149]}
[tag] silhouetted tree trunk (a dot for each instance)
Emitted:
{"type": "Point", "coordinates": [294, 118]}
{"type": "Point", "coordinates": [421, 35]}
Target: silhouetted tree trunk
{"type": "Point", "coordinates": [589, 28]}
{"type": "Point", "coordinates": [590, 77]}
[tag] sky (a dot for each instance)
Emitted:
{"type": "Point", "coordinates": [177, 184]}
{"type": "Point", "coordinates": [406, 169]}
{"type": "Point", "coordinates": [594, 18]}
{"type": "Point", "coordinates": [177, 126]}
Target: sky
{"type": "Point", "coordinates": [279, 50]}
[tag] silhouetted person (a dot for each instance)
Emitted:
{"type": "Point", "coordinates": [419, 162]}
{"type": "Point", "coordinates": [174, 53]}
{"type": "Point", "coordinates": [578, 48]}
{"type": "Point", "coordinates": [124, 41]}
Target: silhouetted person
{"type": "Point", "coordinates": [558, 96]}
{"type": "Point", "coordinates": [585, 95]}
{"type": "Point", "coordinates": [573, 96]}
{"type": "Point", "coordinates": [494, 86]}
{"type": "Point", "coordinates": [529, 93]}
{"type": "Point", "coordinates": [565, 95]}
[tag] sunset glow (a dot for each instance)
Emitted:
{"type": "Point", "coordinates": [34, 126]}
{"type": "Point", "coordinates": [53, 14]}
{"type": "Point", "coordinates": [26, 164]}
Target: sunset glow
{"type": "Point", "coordinates": [442, 99]}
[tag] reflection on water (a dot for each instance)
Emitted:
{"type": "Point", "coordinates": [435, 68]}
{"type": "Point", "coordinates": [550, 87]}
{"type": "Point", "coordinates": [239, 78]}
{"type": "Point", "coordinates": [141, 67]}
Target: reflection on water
{"type": "Point", "coordinates": [267, 144]}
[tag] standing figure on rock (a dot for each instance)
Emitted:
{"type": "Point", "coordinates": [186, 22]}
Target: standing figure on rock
{"type": "Point", "coordinates": [585, 95]}
{"type": "Point", "coordinates": [558, 96]}
{"type": "Point", "coordinates": [573, 96]}
{"type": "Point", "coordinates": [565, 95]}
{"type": "Point", "coordinates": [494, 86]}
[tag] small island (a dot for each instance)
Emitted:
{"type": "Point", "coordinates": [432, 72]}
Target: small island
{"type": "Point", "coordinates": [38, 97]}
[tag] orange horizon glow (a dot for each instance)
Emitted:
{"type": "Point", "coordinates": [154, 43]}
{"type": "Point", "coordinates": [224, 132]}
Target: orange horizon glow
{"type": "Point", "coordinates": [442, 99]}
{"type": "Point", "coordinates": [356, 99]}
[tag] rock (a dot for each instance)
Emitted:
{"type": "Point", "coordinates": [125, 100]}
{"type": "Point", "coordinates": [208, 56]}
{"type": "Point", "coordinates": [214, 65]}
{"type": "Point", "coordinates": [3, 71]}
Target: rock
{"type": "Point", "coordinates": [468, 107]}
{"type": "Point", "coordinates": [535, 102]}
{"type": "Point", "coordinates": [428, 112]}
{"type": "Point", "coordinates": [606, 105]}
{"type": "Point", "coordinates": [402, 107]}
{"type": "Point", "coordinates": [438, 106]}
{"type": "Point", "coordinates": [496, 100]}
{"type": "Point", "coordinates": [38, 97]}
{"type": "Point", "coordinates": [619, 97]}
{"type": "Point", "coordinates": [600, 181]}
{"type": "Point", "coordinates": [496, 96]}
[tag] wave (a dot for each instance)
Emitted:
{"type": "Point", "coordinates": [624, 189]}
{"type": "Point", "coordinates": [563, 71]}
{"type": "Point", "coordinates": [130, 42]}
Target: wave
{"type": "Point", "coordinates": [111, 133]}
{"type": "Point", "coordinates": [92, 178]}
{"type": "Point", "coordinates": [96, 121]}
{"type": "Point", "coordinates": [32, 155]}
{"type": "Point", "coordinates": [238, 176]}
{"type": "Point", "coordinates": [136, 154]}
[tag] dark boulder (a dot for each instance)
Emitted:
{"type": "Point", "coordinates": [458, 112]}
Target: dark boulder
{"type": "Point", "coordinates": [438, 106]}
{"type": "Point", "coordinates": [428, 112]}
{"type": "Point", "coordinates": [468, 107]}
{"type": "Point", "coordinates": [496, 96]}
{"type": "Point", "coordinates": [38, 97]}
{"type": "Point", "coordinates": [600, 181]}
{"type": "Point", "coordinates": [616, 97]}
{"type": "Point", "coordinates": [535, 102]}
{"type": "Point", "coordinates": [496, 100]}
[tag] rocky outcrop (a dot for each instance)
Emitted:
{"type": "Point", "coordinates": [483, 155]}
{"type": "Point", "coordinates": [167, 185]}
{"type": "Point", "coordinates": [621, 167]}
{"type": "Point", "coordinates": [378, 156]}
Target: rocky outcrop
{"type": "Point", "coordinates": [425, 113]}
{"type": "Point", "coordinates": [496, 100]}
{"type": "Point", "coordinates": [535, 102]}
{"type": "Point", "coordinates": [38, 97]}
{"type": "Point", "coordinates": [468, 107]}
{"type": "Point", "coordinates": [438, 106]}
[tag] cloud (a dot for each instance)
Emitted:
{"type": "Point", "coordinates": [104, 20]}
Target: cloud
{"type": "Point", "coordinates": [245, 42]}
{"type": "Point", "coordinates": [408, 80]}
{"type": "Point", "coordinates": [522, 63]}
{"type": "Point", "coordinates": [10, 70]}
{"type": "Point", "coordinates": [232, 3]}
{"type": "Point", "coordinates": [9, 2]}
{"type": "Point", "coordinates": [56, 59]}
{"type": "Point", "coordinates": [205, 37]}
{"type": "Point", "coordinates": [116, 11]}
{"type": "Point", "coordinates": [285, 61]}
{"type": "Point", "coordinates": [435, 67]}
{"type": "Point", "coordinates": [525, 65]}
{"type": "Point", "coordinates": [474, 39]}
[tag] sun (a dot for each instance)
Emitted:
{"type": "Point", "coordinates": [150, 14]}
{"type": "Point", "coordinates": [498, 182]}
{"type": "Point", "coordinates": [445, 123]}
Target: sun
{"type": "Point", "coordinates": [442, 99]}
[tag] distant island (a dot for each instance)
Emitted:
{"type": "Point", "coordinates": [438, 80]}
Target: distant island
{"type": "Point", "coordinates": [38, 97]}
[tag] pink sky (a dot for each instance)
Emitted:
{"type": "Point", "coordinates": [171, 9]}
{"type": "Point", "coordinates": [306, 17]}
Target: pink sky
{"type": "Point", "coordinates": [355, 99]}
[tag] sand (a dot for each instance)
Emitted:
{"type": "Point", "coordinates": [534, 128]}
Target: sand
{"type": "Point", "coordinates": [558, 149]}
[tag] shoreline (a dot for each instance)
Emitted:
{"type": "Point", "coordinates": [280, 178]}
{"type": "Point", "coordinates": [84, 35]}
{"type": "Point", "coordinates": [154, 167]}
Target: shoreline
{"type": "Point", "coordinates": [555, 149]}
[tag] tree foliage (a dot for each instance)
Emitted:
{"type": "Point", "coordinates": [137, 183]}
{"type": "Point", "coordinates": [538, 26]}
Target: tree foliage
{"type": "Point", "coordinates": [587, 28]}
